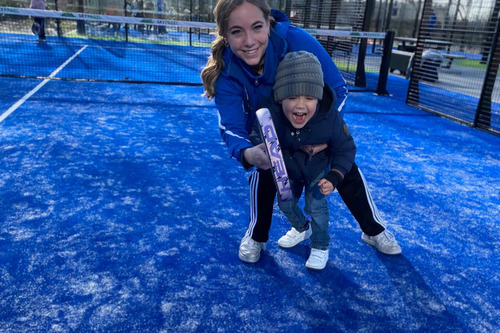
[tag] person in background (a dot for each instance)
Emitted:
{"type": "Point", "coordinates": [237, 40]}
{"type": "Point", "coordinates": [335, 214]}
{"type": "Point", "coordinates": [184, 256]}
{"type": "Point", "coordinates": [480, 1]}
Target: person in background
{"type": "Point", "coordinates": [138, 12]}
{"type": "Point", "coordinates": [306, 116]}
{"type": "Point", "coordinates": [149, 12]}
{"type": "Point", "coordinates": [160, 14]}
{"type": "Point", "coordinates": [128, 12]}
{"type": "Point", "coordinates": [135, 10]}
{"type": "Point", "coordinates": [252, 40]}
{"type": "Point", "coordinates": [39, 24]}
{"type": "Point", "coordinates": [112, 9]}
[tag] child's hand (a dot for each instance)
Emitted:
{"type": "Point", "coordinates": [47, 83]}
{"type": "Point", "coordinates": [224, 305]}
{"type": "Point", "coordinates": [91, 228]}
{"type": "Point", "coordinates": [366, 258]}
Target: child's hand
{"type": "Point", "coordinates": [325, 187]}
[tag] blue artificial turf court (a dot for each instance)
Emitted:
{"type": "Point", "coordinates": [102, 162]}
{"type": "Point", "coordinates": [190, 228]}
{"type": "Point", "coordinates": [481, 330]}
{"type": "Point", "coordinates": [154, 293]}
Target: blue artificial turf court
{"type": "Point", "coordinates": [122, 212]}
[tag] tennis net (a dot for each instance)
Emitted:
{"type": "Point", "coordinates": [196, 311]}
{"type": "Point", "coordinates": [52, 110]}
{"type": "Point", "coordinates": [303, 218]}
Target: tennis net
{"type": "Point", "coordinates": [84, 46]}
{"type": "Point", "coordinates": [103, 47]}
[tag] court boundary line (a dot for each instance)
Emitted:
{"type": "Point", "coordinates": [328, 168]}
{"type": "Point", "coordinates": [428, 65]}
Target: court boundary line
{"type": "Point", "coordinates": [39, 86]}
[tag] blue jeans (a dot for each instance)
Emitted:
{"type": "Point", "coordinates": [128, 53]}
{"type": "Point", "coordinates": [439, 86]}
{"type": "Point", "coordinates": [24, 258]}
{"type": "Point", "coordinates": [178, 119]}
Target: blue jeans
{"type": "Point", "coordinates": [315, 206]}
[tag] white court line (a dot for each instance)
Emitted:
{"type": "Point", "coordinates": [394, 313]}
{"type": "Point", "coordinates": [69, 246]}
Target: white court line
{"type": "Point", "coordinates": [28, 95]}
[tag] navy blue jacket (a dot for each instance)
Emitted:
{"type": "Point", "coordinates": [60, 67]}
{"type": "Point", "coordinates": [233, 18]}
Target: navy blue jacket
{"type": "Point", "coordinates": [326, 126]}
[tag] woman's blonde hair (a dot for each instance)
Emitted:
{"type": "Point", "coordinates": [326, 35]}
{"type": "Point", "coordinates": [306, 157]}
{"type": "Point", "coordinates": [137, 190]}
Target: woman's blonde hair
{"type": "Point", "coordinates": [215, 64]}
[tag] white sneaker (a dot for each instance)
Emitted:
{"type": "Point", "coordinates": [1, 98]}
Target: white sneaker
{"type": "Point", "coordinates": [385, 242]}
{"type": "Point", "coordinates": [250, 249]}
{"type": "Point", "coordinates": [293, 237]}
{"type": "Point", "coordinates": [317, 259]}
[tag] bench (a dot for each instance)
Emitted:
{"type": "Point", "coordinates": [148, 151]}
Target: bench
{"type": "Point", "coordinates": [401, 61]}
{"type": "Point", "coordinates": [450, 58]}
{"type": "Point", "coordinates": [407, 48]}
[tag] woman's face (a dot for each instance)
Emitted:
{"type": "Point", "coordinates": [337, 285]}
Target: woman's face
{"type": "Point", "coordinates": [248, 33]}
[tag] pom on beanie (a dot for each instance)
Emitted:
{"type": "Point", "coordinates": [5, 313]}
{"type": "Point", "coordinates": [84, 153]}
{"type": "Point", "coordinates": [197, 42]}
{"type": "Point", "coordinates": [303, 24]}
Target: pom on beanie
{"type": "Point", "coordinates": [299, 73]}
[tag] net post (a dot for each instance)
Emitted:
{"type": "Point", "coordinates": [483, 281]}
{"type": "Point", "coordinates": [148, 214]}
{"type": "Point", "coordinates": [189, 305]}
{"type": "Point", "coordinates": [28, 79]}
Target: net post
{"type": "Point", "coordinates": [384, 65]}
{"type": "Point", "coordinates": [126, 13]}
{"type": "Point", "coordinates": [190, 19]}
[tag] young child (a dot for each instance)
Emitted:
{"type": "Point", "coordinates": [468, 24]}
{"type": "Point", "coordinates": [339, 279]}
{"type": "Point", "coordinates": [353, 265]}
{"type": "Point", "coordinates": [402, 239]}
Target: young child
{"type": "Point", "coordinates": [316, 145]}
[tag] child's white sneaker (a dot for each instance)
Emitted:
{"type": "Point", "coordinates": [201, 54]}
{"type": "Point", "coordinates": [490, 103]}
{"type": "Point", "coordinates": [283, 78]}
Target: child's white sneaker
{"type": "Point", "coordinates": [317, 259]}
{"type": "Point", "coordinates": [293, 237]}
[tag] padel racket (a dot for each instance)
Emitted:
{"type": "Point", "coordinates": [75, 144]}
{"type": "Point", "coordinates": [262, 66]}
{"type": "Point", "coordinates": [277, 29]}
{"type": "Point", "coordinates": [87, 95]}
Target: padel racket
{"type": "Point", "coordinates": [273, 149]}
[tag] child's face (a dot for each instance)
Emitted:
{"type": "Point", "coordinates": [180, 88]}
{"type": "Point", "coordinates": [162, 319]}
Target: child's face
{"type": "Point", "coordinates": [299, 109]}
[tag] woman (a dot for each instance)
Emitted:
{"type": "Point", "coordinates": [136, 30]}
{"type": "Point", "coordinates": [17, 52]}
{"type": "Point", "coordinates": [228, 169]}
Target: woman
{"type": "Point", "coordinates": [252, 40]}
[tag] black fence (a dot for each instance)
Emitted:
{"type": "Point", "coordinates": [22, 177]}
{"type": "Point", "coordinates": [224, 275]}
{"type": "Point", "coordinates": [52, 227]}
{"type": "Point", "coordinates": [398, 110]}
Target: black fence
{"type": "Point", "coordinates": [448, 50]}
{"type": "Point", "coordinates": [455, 65]}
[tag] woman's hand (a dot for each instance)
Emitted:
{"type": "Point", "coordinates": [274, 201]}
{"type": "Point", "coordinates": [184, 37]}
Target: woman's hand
{"type": "Point", "coordinates": [257, 156]}
{"type": "Point", "coordinates": [325, 187]}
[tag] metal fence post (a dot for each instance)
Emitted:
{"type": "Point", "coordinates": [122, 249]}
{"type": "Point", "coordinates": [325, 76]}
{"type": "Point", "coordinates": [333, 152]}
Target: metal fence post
{"type": "Point", "coordinates": [384, 65]}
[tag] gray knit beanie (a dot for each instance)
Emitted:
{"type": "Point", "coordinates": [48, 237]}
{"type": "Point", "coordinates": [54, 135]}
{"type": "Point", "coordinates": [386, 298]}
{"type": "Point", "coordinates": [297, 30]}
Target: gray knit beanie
{"type": "Point", "coordinates": [299, 73]}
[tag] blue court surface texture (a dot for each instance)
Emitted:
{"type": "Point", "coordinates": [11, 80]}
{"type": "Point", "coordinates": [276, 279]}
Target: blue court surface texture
{"type": "Point", "coordinates": [122, 212]}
